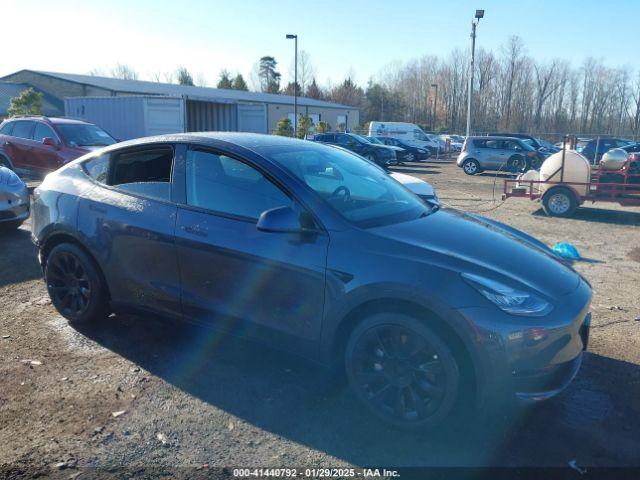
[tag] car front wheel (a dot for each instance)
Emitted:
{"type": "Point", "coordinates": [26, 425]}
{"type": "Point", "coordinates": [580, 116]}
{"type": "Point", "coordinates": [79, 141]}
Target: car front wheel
{"type": "Point", "coordinates": [471, 166]}
{"type": "Point", "coordinates": [402, 371]}
{"type": "Point", "coordinates": [74, 284]}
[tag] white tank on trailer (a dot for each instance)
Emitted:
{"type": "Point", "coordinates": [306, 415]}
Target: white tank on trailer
{"type": "Point", "coordinates": [576, 169]}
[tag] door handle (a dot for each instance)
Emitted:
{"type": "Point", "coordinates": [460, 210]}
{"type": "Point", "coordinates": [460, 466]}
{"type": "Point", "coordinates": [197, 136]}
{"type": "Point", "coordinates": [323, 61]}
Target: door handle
{"type": "Point", "coordinates": [7, 143]}
{"type": "Point", "coordinates": [195, 231]}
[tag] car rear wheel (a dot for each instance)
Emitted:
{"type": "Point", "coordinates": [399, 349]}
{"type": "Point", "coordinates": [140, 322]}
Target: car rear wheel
{"type": "Point", "coordinates": [74, 284]}
{"type": "Point", "coordinates": [471, 166]}
{"type": "Point", "coordinates": [402, 371]}
{"type": "Point", "coordinates": [559, 202]}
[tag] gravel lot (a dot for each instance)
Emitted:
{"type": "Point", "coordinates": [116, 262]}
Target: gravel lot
{"type": "Point", "coordinates": [138, 392]}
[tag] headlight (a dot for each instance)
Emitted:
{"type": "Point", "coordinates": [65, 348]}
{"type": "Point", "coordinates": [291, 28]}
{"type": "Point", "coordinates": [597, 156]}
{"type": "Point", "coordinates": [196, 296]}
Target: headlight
{"type": "Point", "coordinates": [507, 299]}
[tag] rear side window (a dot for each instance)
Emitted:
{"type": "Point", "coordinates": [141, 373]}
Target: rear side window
{"type": "Point", "coordinates": [22, 129]}
{"type": "Point", "coordinates": [145, 172]}
{"type": "Point", "coordinates": [6, 128]}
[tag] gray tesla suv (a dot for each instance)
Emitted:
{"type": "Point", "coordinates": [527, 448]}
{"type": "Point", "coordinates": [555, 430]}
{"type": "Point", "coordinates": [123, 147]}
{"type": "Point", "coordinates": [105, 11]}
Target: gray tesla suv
{"type": "Point", "coordinates": [314, 250]}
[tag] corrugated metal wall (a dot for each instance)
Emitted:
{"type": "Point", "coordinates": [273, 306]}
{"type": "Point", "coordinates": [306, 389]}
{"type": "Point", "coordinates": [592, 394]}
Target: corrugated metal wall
{"type": "Point", "coordinates": [207, 116]}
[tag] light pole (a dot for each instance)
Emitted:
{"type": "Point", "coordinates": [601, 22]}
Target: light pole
{"type": "Point", "coordinates": [435, 105]}
{"type": "Point", "coordinates": [295, 84]}
{"type": "Point", "coordinates": [479, 14]}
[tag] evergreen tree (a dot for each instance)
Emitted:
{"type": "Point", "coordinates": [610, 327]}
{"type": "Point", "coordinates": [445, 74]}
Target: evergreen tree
{"type": "Point", "coordinates": [29, 102]}
{"type": "Point", "coordinates": [225, 80]}
{"type": "Point", "coordinates": [239, 83]}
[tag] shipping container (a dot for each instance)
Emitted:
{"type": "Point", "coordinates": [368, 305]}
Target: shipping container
{"type": "Point", "coordinates": [126, 117]}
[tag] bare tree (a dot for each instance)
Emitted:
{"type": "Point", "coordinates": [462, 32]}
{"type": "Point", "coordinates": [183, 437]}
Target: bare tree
{"type": "Point", "coordinates": [124, 72]}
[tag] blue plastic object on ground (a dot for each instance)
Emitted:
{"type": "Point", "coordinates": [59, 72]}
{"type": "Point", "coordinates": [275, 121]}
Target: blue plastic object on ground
{"type": "Point", "coordinates": [566, 250]}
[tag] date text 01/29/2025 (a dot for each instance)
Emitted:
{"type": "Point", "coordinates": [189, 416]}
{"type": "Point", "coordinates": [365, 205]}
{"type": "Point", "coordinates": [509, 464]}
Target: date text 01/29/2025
{"type": "Point", "coordinates": [314, 473]}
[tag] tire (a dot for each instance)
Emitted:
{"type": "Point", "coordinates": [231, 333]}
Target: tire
{"type": "Point", "coordinates": [535, 163]}
{"type": "Point", "coordinates": [516, 163]}
{"type": "Point", "coordinates": [559, 202]}
{"type": "Point", "coordinates": [402, 371]}
{"type": "Point", "coordinates": [471, 166]}
{"type": "Point", "coordinates": [4, 162]}
{"type": "Point", "coordinates": [75, 285]}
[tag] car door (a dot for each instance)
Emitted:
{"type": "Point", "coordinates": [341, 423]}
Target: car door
{"type": "Point", "coordinates": [20, 144]}
{"type": "Point", "coordinates": [128, 222]}
{"type": "Point", "coordinates": [45, 157]}
{"type": "Point", "coordinates": [496, 153]}
{"type": "Point", "coordinates": [234, 276]}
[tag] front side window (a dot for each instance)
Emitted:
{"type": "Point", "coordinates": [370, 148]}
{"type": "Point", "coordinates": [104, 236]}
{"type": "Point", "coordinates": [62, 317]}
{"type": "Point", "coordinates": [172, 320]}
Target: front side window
{"type": "Point", "coordinates": [358, 190]}
{"type": "Point", "coordinates": [43, 131]}
{"type": "Point", "coordinates": [98, 168]}
{"type": "Point", "coordinates": [145, 172]}
{"type": "Point", "coordinates": [420, 135]}
{"type": "Point", "coordinates": [225, 185]}
{"type": "Point", "coordinates": [84, 135]}
{"type": "Point", "coordinates": [22, 129]}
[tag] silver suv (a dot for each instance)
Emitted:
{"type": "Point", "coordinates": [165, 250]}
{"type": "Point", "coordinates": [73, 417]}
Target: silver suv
{"type": "Point", "coordinates": [497, 153]}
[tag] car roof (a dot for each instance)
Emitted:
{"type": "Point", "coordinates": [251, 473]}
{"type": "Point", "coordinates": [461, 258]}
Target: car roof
{"type": "Point", "coordinates": [242, 139]}
{"type": "Point", "coordinates": [54, 120]}
{"type": "Point", "coordinates": [495, 137]}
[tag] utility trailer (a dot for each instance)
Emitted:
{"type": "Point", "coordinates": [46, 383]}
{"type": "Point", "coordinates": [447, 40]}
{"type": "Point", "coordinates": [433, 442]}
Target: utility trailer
{"type": "Point", "coordinates": [556, 186]}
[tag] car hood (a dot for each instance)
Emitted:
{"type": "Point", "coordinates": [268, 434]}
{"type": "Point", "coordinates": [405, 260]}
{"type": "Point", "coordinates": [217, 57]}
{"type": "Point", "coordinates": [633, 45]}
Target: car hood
{"type": "Point", "coordinates": [469, 243]}
{"type": "Point", "coordinates": [417, 186]}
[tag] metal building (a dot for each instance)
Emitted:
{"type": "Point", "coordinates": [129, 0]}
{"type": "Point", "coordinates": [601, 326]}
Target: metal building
{"type": "Point", "coordinates": [99, 100]}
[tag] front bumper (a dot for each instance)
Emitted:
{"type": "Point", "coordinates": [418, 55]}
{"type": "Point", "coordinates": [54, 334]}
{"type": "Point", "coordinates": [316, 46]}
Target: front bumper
{"type": "Point", "coordinates": [528, 359]}
{"type": "Point", "coordinates": [14, 205]}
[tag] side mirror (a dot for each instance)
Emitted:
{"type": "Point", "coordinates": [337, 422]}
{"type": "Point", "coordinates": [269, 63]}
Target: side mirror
{"type": "Point", "coordinates": [50, 142]}
{"type": "Point", "coordinates": [281, 220]}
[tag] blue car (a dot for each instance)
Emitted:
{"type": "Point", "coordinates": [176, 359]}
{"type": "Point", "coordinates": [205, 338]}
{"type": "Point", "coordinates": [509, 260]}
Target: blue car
{"type": "Point", "coordinates": [316, 251]}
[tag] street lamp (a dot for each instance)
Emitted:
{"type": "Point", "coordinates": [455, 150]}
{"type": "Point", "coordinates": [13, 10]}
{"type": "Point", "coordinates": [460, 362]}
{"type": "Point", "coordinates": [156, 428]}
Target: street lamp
{"type": "Point", "coordinates": [479, 14]}
{"type": "Point", "coordinates": [435, 105]}
{"type": "Point", "coordinates": [295, 84]}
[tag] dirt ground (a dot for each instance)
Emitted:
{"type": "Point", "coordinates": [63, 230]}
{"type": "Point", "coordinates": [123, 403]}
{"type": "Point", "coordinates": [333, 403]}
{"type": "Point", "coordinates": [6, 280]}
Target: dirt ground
{"type": "Point", "coordinates": [144, 394]}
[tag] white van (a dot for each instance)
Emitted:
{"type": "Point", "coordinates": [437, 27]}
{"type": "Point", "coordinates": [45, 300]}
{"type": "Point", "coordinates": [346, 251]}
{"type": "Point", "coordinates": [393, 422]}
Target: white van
{"type": "Point", "coordinates": [407, 132]}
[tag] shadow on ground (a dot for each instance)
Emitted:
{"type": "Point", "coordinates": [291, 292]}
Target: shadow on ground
{"type": "Point", "coordinates": [18, 257]}
{"type": "Point", "coordinates": [602, 215]}
{"type": "Point", "coordinates": [284, 395]}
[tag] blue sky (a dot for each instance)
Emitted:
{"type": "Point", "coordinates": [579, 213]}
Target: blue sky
{"type": "Point", "coordinates": [348, 36]}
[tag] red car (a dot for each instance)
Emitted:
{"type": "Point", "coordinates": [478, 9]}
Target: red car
{"type": "Point", "coordinates": [43, 144]}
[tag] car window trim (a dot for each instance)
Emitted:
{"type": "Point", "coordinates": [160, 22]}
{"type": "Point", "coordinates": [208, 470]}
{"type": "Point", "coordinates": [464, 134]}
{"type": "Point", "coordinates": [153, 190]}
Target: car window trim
{"type": "Point", "coordinates": [113, 153]}
{"type": "Point", "coordinates": [219, 151]}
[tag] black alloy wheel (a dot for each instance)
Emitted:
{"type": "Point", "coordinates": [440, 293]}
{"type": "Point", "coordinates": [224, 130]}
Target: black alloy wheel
{"type": "Point", "coordinates": [403, 372]}
{"type": "Point", "coordinates": [74, 285]}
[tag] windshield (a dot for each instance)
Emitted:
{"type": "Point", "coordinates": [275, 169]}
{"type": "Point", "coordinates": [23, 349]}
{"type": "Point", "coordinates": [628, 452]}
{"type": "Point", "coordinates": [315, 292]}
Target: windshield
{"type": "Point", "coordinates": [360, 192]}
{"type": "Point", "coordinates": [83, 135]}
{"type": "Point", "coordinates": [374, 140]}
{"type": "Point", "coordinates": [362, 138]}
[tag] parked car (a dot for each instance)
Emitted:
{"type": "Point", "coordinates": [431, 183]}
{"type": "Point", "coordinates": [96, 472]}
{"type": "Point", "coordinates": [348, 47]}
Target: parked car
{"type": "Point", "coordinates": [420, 154]}
{"type": "Point", "coordinates": [379, 154]}
{"type": "Point", "coordinates": [497, 153]}
{"type": "Point", "coordinates": [407, 132]}
{"type": "Point", "coordinates": [14, 200]}
{"type": "Point", "coordinates": [455, 145]}
{"type": "Point", "coordinates": [402, 154]}
{"type": "Point", "coordinates": [317, 251]}
{"type": "Point", "coordinates": [588, 148]}
{"type": "Point", "coordinates": [416, 185]}
{"type": "Point", "coordinates": [43, 144]}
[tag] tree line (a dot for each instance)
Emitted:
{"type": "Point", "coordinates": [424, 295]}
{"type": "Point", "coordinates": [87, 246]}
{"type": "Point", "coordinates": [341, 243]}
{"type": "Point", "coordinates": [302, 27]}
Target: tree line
{"type": "Point", "coordinates": [513, 92]}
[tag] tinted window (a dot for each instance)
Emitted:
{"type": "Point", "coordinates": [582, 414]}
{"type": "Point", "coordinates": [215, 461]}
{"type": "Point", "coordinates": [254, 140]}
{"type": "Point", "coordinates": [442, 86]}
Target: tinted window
{"type": "Point", "coordinates": [223, 184]}
{"type": "Point", "coordinates": [145, 172]}
{"type": "Point", "coordinates": [98, 168]}
{"type": "Point", "coordinates": [42, 131]}
{"type": "Point", "coordinates": [511, 145]}
{"type": "Point", "coordinates": [22, 129]}
{"type": "Point", "coordinates": [6, 128]}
